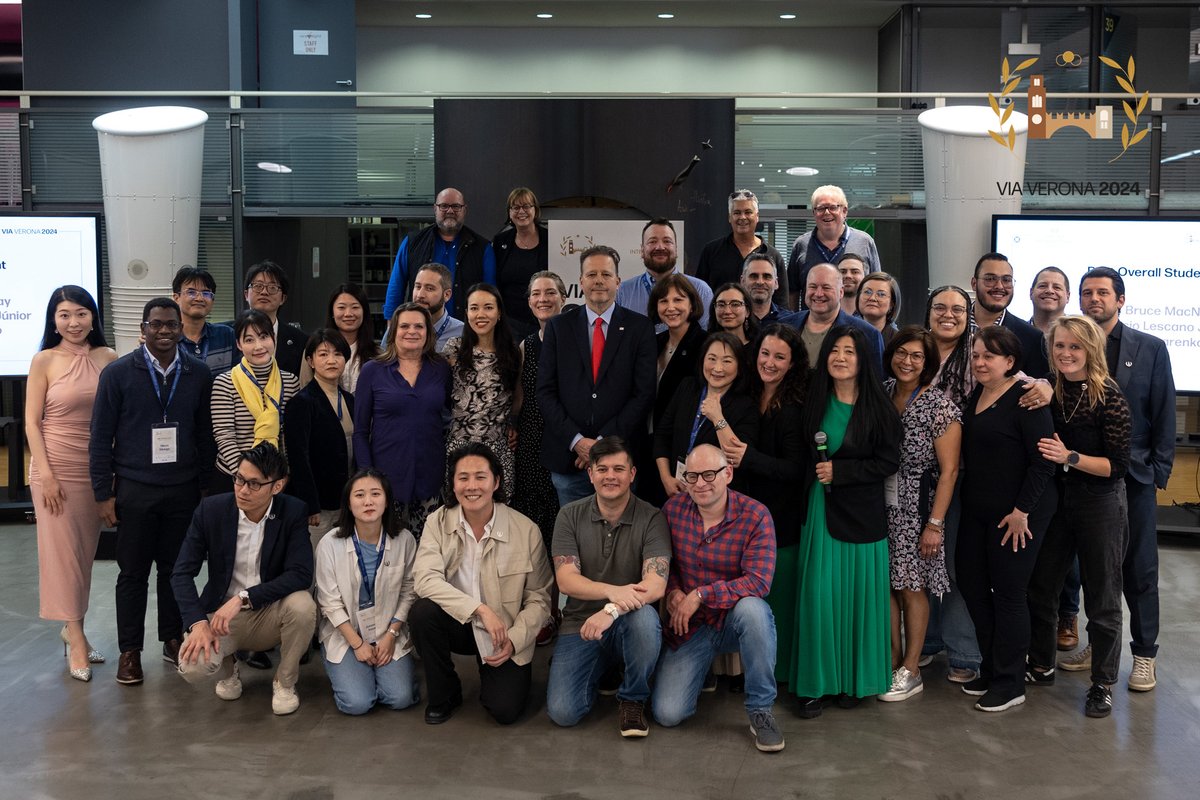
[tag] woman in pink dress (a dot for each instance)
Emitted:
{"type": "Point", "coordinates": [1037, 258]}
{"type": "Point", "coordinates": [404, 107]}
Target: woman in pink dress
{"type": "Point", "coordinates": [58, 415]}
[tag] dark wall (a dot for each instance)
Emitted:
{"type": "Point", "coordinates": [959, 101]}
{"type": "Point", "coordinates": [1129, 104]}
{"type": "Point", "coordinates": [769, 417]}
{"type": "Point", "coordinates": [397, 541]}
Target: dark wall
{"type": "Point", "coordinates": [281, 70]}
{"type": "Point", "coordinates": [622, 150]}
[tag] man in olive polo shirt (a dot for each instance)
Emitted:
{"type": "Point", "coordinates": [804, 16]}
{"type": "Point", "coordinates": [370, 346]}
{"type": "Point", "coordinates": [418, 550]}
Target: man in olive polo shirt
{"type": "Point", "coordinates": [611, 554]}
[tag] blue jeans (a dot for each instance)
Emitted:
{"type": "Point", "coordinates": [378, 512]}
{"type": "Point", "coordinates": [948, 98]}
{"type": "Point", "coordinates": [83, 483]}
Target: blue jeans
{"type": "Point", "coordinates": [634, 639]}
{"type": "Point", "coordinates": [358, 686]}
{"type": "Point", "coordinates": [950, 626]}
{"type": "Point", "coordinates": [749, 629]}
{"type": "Point", "coordinates": [571, 486]}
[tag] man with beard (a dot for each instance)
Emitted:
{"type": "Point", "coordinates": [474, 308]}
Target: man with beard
{"type": "Point", "coordinates": [722, 260]}
{"type": "Point", "coordinates": [760, 278]}
{"type": "Point", "coordinates": [829, 241]}
{"type": "Point", "coordinates": [992, 284]}
{"type": "Point", "coordinates": [853, 271]}
{"type": "Point", "coordinates": [659, 254]}
{"type": "Point", "coordinates": [448, 241]}
{"type": "Point", "coordinates": [432, 289]}
{"type": "Point", "coordinates": [1050, 292]}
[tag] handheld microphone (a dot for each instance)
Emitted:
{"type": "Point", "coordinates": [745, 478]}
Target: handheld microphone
{"type": "Point", "coordinates": [822, 443]}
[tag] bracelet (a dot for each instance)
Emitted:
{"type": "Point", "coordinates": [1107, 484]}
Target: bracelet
{"type": "Point", "coordinates": [361, 642]}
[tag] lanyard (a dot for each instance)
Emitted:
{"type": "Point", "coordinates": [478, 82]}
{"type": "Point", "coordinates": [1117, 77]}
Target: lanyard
{"type": "Point", "coordinates": [157, 389]}
{"type": "Point", "coordinates": [368, 583]}
{"type": "Point", "coordinates": [266, 396]}
{"type": "Point", "coordinates": [831, 256]}
{"type": "Point", "coordinates": [699, 419]}
{"type": "Point", "coordinates": [440, 330]}
{"type": "Point", "coordinates": [338, 392]}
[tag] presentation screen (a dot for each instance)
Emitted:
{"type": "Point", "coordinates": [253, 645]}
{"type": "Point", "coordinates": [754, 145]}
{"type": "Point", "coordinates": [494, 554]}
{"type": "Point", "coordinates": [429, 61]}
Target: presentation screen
{"type": "Point", "coordinates": [38, 254]}
{"type": "Point", "coordinates": [1158, 258]}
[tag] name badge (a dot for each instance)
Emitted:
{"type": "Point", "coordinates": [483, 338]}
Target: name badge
{"type": "Point", "coordinates": [164, 447]}
{"type": "Point", "coordinates": [680, 468]}
{"type": "Point", "coordinates": [891, 489]}
{"type": "Point", "coordinates": [366, 622]}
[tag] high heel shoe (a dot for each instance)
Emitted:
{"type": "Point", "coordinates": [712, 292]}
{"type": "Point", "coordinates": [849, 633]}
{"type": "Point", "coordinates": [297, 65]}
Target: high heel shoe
{"type": "Point", "coordinates": [94, 656]}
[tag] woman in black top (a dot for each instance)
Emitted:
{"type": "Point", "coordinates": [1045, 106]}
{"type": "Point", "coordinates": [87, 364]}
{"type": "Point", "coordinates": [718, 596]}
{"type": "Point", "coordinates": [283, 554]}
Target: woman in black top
{"type": "Point", "coordinates": [732, 310]}
{"type": "Point", "coordinates": [1008, 498]}
{"type": "Point", "coordinates": [521, 249]}
{"type": "Point", "coordinates": [1092, 431]}
{"type": "Point", "coordinates": [774, 464]}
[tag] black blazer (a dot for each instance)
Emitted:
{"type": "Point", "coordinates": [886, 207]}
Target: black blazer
{"type": "Point", "coordinates": [289, 347]}
{"type": "Point", "coordinates": [855, 510]}
{"type": "Point", "coordinates": [572, 403]}
{"type": "Point", "coordinates": [1034, 361]}
{"type": "Point", "coordinates": [672, 433]}
{"type": "Point", "coordinates": [1143, 372]}
{"type": "Point", "coordinates": [682, 365]}
{"type": "Point", "coordinates": [775, 463]}
{"type": "Point", "coordinates": [316, 448]}
{"type": "Point", "coordinates": [285, 565]}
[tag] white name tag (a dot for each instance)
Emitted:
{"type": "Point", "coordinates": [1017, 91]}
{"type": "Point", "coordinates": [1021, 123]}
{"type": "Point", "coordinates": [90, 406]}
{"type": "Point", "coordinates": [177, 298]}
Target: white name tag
{"type": "Point", "coordinates": [164, 447]}
{"type": "Point", "coordinates": [891, 489]}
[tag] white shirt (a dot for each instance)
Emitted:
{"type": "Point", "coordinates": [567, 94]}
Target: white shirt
{"type": "Point", "coordinates": [466, 579]}
{"type": "Point", "coordinates": [248, 552]}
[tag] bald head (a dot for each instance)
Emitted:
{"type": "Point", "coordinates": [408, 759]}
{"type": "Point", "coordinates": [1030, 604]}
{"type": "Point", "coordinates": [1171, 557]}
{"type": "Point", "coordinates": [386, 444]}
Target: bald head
{"type": "Point", "coordinates": [823, 292]}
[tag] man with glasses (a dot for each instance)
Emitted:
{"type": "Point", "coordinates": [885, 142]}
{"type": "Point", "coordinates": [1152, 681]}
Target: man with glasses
{"type": "Point", "coordinates": [829, 241]}
{"type": "Point", "coordinates": [760, 278]}
{"type": "Point", "coordinates": [659, 256]}
{"type": "Point", "coordinates": [992, 284]}
{"type": "Point", "coordinates": [260, 568]}
{"type": "Point", "coordinates": [150, 451]}
{"type": "Point", "coordinates": [195, 290]}
{"type": "Point", "coordinates": [448, 241]}
{"type": "Point", "coordinates": [723, 561]}
{"type": "Point", "coordinates": [266, 291]}
{"type": "Point", "coordinates": [723, 259]}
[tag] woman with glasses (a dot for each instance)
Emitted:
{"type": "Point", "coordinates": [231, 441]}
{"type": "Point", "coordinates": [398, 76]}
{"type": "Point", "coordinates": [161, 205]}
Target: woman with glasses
{"type": "Point", "coordinates": [248, 401]}
{"type": "Point", "coordinates": [732, 312]}
{"type": "Point", "coordinates": [349, 313]}
{"type": "Point", "coordinates": [917, 511]}
{"type": "Point", "coordinates": [842, 643]}
{"type": "Point", "coordinates": [522, 249]}
{"type": "Point", "coordinates": [878, 302]}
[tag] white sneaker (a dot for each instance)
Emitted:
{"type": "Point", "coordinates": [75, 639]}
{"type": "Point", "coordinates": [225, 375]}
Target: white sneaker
{"type": "Point", "coordinates": [230, 688]}
{"type": "Point", "coordinates": [904, 685]}
{"type": "Point", "coordinates": [1142, 677]}
{"type": "Point", "coordinates": [284, 699]}
{"type": "Point", "coordinates": [1079, 661]}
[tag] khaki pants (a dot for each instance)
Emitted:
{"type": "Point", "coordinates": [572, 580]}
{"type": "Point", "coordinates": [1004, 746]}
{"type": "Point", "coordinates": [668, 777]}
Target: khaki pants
{"type": "Point", "coordinates": [288, 623]}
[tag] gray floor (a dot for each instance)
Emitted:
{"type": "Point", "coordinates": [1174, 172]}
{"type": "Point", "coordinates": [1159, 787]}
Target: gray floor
{"type": "Point", "coordinates": [65, 739]}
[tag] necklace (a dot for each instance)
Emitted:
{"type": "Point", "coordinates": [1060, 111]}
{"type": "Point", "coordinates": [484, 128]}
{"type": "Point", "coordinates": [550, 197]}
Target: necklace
{"type": "Point", "coordinates": [1068, 417]}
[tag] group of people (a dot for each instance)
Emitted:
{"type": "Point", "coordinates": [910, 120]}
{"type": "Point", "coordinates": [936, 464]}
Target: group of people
{"type": "Point", "coordinates": [717, 477]}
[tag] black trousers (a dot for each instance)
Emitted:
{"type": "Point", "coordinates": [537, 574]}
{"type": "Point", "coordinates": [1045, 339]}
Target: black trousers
{"type": "Point", "coordinates": [151, 523]}
{"type": "Point", "coordinates": [503, 690]}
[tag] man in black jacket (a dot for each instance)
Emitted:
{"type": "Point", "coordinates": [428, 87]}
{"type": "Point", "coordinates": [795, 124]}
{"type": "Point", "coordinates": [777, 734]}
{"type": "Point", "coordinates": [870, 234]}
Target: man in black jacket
{"type": "Point", "coordinates": [151, 450]}
{"type": "Point", "coordinates": [992, 284]}
{"type": "Point", "coordinates": [266, 291]}
{"type": "Point", "coordinates": [260, 567]}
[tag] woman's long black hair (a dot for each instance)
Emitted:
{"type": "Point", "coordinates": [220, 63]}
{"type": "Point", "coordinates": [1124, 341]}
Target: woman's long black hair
{"type": "Point", "coordinates": [80, 296]}
{"type": "Point", "coordinates": [508, 357]}
{"type": "Point", "coordinates": [874, 416]}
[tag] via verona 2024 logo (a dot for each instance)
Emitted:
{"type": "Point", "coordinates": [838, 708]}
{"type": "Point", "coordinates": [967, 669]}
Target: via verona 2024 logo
{"type": "Point", "coordinates": [1043, 124]}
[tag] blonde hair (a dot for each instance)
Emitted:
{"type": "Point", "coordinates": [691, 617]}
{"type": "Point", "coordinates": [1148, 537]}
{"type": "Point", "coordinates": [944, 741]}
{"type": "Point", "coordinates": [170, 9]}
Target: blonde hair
{"type": "Point", "coordinates": [1093, 339]}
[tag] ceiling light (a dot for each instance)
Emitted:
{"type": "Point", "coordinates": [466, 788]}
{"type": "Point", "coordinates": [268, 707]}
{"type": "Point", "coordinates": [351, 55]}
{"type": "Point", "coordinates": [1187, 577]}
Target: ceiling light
{"type": "Point", "coordinates": [423, 16]}
{"type": "Point", "coordinates": [803, 172]}
{"type": "Point", "coordinates": [787, 16]}
{"type": "Point", "coordinates": [271, 166]}
{"type": "Point", "coordinates": [545, 16]}
{"type": "Point", "coordinates": [666, 16]}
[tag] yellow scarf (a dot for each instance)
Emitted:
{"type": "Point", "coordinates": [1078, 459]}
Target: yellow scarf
{"type": "Point", "coordinates": [262, 405]}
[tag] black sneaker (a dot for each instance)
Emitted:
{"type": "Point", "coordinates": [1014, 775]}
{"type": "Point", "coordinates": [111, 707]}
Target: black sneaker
{"type": "Point", "coordinates": [994, 701]}
{"type": "Point", "coordinates": [1099, 701]}
{"type": "Point", "coordinates": [633, 719]}
{"type": "Point", "coordinates": [810, 707]}
{"type": "Point", "coordinates": [1036, 677]}
{"type": "Point", "coordinates": [976, 688]}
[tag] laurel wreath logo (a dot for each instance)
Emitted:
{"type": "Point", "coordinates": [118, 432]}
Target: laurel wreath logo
{"type": "Point", "coordinates": [1125, 79]}
{"type": "Point", "coordinates": [1009, 81]}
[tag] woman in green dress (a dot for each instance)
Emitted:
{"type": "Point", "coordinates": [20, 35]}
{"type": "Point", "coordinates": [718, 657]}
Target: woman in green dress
{"type": "Point", "coordinates": [843, 630]}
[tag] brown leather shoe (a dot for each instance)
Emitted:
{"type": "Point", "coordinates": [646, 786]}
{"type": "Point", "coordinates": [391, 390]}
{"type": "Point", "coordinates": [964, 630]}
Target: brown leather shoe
{"type": "Point", "coordinates": [1068, 632]}
{"type": "Point", "coordinates": [171, 651]}
{"type": "Point", "coordinates": [129, 668]}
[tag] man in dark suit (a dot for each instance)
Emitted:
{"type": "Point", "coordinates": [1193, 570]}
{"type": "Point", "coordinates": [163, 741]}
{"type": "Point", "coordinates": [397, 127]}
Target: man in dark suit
{"type": "Point", "coordinates": [596, 375]}
{"type": "Point", "coordinates": [823, 312]}
{"type": "Point", "coordinates": [267, 290]}
{"type": "Point", "coordinates": [992, 284]}
{"type": "Point", "coordinates": [1141, 366]}
{"type": "Point", "coordinates": [260, 568]}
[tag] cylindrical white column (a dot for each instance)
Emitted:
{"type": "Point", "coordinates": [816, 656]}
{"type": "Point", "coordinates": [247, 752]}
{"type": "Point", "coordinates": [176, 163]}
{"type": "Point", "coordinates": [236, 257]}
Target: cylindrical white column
{"type": "Point", "coordinates": [150, 165]}
{"type": "Point", "coordinates": [965, 169]}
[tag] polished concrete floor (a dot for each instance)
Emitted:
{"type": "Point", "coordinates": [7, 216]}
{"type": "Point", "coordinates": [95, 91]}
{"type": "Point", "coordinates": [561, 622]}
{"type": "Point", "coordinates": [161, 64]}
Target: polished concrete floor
{"type": "Point", "coordinates": [164, 739]}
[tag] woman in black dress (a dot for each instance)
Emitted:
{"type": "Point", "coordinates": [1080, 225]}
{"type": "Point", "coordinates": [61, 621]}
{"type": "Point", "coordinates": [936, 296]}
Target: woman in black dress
{"type": "Point", "coordinates": [522, 250]}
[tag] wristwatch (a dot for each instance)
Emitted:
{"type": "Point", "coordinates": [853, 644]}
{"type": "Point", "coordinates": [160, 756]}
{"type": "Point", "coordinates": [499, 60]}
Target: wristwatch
{"type": "Point", "coordinates": [1072, 460]}
{"type": "Point", "coordinates": [244, 596]}
{"type": "Point", "coordinates": [393, 631]}
{"type": "Point", "coordinates": [611, 609]}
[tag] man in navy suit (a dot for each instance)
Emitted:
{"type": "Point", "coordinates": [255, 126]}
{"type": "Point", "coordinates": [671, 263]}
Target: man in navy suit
{"type": "Point", "coordinates": [596, 376]}
{"type": "Point", "coordinates": [992, 284]}
{"type": "Point", "coordinates": [823, 312]}
{"type": "Point", "coordinates": [1141, 366]}
{"type": "Point", "coordinates": [260, 568]}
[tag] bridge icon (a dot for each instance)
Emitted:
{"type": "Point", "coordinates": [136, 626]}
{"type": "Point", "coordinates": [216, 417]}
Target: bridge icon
{"type": "Point", "coordinates": [1043, 124]}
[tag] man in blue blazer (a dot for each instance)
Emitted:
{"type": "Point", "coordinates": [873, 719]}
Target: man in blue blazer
{"type": "Point", "coordinates": [992, 284]}
{"type": "Point", "coordinates": [1141, 366]}
{"type": "Point", "coordinates": [260, 568]}
{"type": "Point", "coordinates": [823, 312]}
{"type": "Point", "coordinates": [596, 376]}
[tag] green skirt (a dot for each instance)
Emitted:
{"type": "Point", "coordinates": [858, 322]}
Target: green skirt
{"type": "Point", "coordinates": [782, 601]}
{"type": "Point", "coordinates": [842, 642]}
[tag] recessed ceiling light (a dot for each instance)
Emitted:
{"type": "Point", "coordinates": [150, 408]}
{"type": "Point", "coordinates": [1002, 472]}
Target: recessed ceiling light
{"type": "Point", "coordinates": [787, 16]}
{"type": "Point", "coordinates": [802, 172]}
{"type": "Point", "coordinates": [423, 16]}
{"type": "Point", "coordinates": [545, 16]}
{"type": "Point", "coordinates": [666, 16]}
{"type": "Point", "coordinates": [271, 166]}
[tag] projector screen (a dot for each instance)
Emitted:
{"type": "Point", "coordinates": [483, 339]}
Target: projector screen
{"type": "Point", "coordinates": [37, 255]}
{"type": "Point", "coordinates": [1159, 259]}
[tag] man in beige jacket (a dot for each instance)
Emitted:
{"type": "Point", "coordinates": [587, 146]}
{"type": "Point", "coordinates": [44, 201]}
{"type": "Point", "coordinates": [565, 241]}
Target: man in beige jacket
{"type": "Point", "coordinates": [483, 584]}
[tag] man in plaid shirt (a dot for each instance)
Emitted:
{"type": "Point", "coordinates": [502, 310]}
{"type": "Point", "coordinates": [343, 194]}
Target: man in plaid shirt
{"type": "Point", "coordinates": [724, 559]}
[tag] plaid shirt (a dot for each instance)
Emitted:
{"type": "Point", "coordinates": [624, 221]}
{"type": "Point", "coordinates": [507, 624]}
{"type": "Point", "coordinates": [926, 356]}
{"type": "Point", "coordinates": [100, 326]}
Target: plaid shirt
{"type": "Point", "coordinates": [733, 560]}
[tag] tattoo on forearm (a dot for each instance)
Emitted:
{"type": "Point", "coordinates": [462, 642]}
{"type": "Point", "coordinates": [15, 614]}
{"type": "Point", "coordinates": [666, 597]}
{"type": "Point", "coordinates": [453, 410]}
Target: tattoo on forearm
{"type": "Point", "coordinates": [658, 565]}
{"type": "Point", "coordinates": [563, 560]}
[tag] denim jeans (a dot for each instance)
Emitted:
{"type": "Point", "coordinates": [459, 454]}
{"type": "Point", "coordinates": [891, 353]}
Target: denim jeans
{"type": "Point", "coordinates": [634, 639]}
{"type": "Point", "coordinates": [571, 486]}
{"type": "Point", "coordinates": [749, 629]}
{"type": "Point", "coordinates": [358, 686]}
{"type": "Point", "coordinates": [1093, 521]}
{"type": "Point", "coordinates": [1140, 574]}
{"type": "Point", "coordinates": [950, 627]}
{"type": "Point", "coordinates": [1068, 598]}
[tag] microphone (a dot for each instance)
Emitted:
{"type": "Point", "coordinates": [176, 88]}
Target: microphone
{"type": "Point", "coordinates": [822, 443]}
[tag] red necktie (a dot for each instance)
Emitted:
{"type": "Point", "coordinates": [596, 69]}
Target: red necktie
{"type": "Point", "coordinates": [597, 348]}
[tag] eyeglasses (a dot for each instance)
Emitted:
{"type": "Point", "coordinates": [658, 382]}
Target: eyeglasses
{"type": "Point", "coordinates": [880, 293]}
{"type": "Point", "coordinates": [991, 280]}
{"type": "Point", "coordinates": [250, 483]}
{"type": "Point", "coordinates": [734, 304]}
{"type": "Point", "coordinates": [829, 209]}
{"type": "Point", "coordinates": [742, 194]}
{"type": "Point", "coordinates": [909, 355]}
{"type": "Point", "coordinates": [709, 475]}
{"type": "Point", "coordinates": [521, 207]}
{"type": "Point", "coordinates": [156, 325]}
{"type": "Point", "coordinates": [942, 308]}
{"type": "Point", "coordinates": [192, 294]}
{"type": "Point", "coordinates": [265, 288]}
{"type": "Point", "coordinates": [455, 207]}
